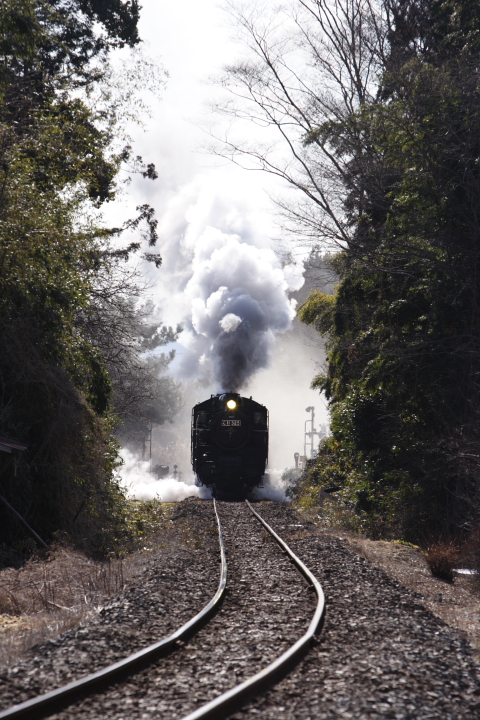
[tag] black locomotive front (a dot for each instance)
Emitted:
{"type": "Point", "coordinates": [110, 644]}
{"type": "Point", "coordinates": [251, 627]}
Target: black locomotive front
{"type": "Point", "coordinates": [229, 444]}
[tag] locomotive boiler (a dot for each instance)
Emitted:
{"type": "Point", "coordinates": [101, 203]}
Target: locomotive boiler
{"type": "Point", "coordinates": [229, 444]}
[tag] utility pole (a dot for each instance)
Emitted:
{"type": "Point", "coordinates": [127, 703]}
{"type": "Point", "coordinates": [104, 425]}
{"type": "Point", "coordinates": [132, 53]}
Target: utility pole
{"type": "Point", "coordinates": [309, 436]}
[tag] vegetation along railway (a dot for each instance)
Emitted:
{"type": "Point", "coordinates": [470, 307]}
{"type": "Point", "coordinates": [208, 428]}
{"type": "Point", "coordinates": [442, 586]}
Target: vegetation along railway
{"type": "Point", "coordinates": [380, 654]}
{"type": "Point", "coordinates": [392, 147]}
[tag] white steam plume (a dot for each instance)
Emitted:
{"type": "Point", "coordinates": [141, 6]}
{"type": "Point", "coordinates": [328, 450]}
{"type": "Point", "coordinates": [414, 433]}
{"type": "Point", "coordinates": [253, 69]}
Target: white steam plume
{"type": "Point", "coordinates": [142, 485]}
{"type": "Point", "coordinates": [230, 322]}
{"type": "Point", "coordinates": [238, 301]}
{"type": "Point", "coordinates": [232, 289]}
{"type": "Point", "coordinates": [273, 488]}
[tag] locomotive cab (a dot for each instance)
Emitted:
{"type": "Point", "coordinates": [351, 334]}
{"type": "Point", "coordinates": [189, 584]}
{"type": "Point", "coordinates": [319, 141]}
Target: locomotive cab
{"type": "Point", "coordinates": [229, 444]}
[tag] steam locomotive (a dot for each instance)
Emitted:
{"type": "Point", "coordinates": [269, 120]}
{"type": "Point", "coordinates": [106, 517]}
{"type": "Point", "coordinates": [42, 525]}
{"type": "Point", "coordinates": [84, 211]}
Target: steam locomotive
{"type": "Point", "coordinates": [229, 444]}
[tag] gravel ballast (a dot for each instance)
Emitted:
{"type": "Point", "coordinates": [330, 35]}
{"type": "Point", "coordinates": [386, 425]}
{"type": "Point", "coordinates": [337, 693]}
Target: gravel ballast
{"type": "Point", "coordinates": [380, 655]}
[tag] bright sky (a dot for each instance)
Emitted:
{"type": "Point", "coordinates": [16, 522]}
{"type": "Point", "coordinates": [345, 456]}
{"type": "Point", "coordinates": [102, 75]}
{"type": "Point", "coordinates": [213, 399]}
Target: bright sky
{"type": "Point", "coordinates": [192, 39]}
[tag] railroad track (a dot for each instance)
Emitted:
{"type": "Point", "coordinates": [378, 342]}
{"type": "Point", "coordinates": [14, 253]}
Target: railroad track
{"type": "Point", "coordinates": [54, 701]}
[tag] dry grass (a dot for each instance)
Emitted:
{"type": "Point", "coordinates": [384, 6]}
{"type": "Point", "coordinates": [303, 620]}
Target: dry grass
{"type": "Point", "coordinates": [50, 594]}
{"type": "Point", "coordinates": [58, 589]}
{"type": "Point", "coordinates": [470, 552]}
{"type": "Point", "coordinates": [442, 557]}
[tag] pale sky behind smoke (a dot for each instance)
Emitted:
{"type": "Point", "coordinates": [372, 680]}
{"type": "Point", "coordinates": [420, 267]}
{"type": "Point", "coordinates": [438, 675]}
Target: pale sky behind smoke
{"type": "Point", "coordinates": [201, 201]}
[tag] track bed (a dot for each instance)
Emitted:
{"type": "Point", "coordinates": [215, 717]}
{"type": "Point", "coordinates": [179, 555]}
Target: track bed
{"type": "Point", "coordinates": [381, 654]}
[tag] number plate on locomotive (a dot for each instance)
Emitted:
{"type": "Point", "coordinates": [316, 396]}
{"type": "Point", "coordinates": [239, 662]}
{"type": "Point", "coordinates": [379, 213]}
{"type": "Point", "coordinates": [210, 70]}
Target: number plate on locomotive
{"type": "Point", "coordinates": [230, 423]}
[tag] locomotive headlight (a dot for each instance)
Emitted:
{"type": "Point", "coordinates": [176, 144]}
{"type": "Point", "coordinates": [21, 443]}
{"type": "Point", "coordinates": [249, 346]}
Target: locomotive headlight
{"type": "Point", "coordinates": [231, 404]}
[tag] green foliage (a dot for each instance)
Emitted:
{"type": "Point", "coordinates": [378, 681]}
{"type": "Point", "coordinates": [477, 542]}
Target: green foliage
{"type": "Point", "coordinates": [146, 517]}
{"type": "Point", "coordinates": [318, 310]}
{"type": "Point", "coordinates": [290, 478]}
{"type": "Point", "coordinates": [57, 166]}
{"type": "Point", "coordinates": [404, 325]}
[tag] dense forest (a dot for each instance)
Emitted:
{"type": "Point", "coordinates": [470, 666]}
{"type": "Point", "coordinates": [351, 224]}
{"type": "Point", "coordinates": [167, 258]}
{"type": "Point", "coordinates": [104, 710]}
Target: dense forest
{"type": "Point", "coordinates": [371, 114]}
{"type": "Point", "coordinates": [404, 323]}
{"type": "Point", "coordinates": [378, 107]}
{"type": "Point", "coordinates": [73, 330]}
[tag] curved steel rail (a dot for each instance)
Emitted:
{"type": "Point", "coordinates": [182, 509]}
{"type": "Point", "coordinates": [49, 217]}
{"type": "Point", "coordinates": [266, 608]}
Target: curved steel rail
{"type": "Point", "coordinates": [232, 699]}
{"type": "Point", "coordinates": [52, 701]}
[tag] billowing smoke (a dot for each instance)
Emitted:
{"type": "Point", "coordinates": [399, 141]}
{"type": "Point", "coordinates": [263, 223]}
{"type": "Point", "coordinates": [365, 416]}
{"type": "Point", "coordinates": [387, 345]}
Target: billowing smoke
{"type": "Point", "coordinates": [216, 240]}
{"type": "Point", "coordinates": [239, 301]}
{"type": "Point", "coordinates": [234, 297]}
{"type": "Point", "coordinates": [140, 484]}
{"type": "Point", "coordinates": [272, 488]}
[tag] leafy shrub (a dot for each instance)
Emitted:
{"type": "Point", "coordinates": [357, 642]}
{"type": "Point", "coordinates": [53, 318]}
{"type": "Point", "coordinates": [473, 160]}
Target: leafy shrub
{"type": "Point", "coordinates": [442, 556]}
